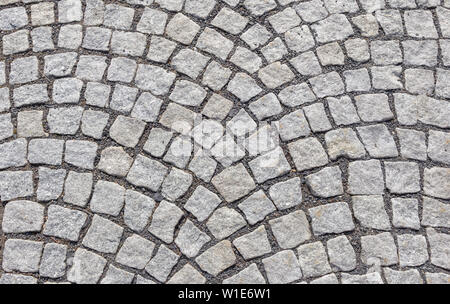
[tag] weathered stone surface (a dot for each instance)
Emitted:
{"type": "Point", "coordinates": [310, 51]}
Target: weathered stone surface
{"type": "Point", "coordinates": [202, 203]}
{"type": "Point", "coordinates": [162, 263]}
{"type": "Point", "coordinates": [64, 223]}
{"type": "Point", "coordinates": [379, 249]}
{"type": "Point", "coordinates": [187, 275]}
{"type": "Point", "coordinates": [165, 218]}
{"type": "Point", "coordinates": [412, 250]}
{"type": "Point", "coordinates": [103, 235]}
{"type": "Point", "coordinates": [135, 252]}
{"type": "Point", "coordinates": [108, 198]}
{"type": "Point", "coordinates": [53, 262]}
{"type": "Point", "coordinates": [405, 213]}
{"type": "Point", "coordinates": [370, 212]}
{"type": "Point", "coordinates": [50, 185]}
{"type": "Point", "coordinates": [256, 207]}
{"type": "Point", "coordinates": [77, 188]}
{"type": "Point", "coordinates": [313, 260]}
{"type": "Point", "coordinates": [233, 182]}
{"type": "Point", "coordinates": [436, 182]}
{"type": "Point", "coordinates": [365, 177]}
{"type": "Point", "coordinates": [224, 222]}
{"type": "Point", "coordinates": [286, 194]}
{"type": "Point", "coordinates": [21, 255]}
{"type": "Point", "coordinates": [249, 275]}
{"type": "Point", "coordinates": [438, 243]}
{"type": "Point", "coordinates": [138, 209]}
{"type": "Point", "coordinates": [282, 267]}
{"type": "Point", "coordinates": [307, 153]}
{"type": "Point", "coordinates": [341, 253]}
{"type": "Point", "coordinates": [87, 267]}
{"type": "Point", "coordinates": [234, 141]}
{"type": "Point", "coordinates": [217, 258]}
{"type": "Point", "coordinates": [253, 244]}
{"type": "Point", "coordinates": [147, 173]}
{"type": "Point", "coordinates": [291, 230]}
{"type": "Point", "coordinates": [326, 182]}
{"type": "Point", "coordinates": [331, 218]}
{"type": "Point", "coordinates": [22, 216]}
{"type": "Point", "coordinates": [190, 239]}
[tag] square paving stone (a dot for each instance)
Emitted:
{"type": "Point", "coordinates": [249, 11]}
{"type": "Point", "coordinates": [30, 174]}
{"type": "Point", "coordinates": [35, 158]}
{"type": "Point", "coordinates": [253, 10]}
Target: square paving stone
{"type": "Point", "coordinates": [127, 131]}
{"type": "Point", "coordinates": [202, 203]}
{"type": "Point", "coordinates": [21, 255]}
{"type": "Point", "coordinates": [370, 212]}
{"type": "Point", "coordinates": [80, 153]}
{"type": "Point", "coordinates": [29, 124]}
{"type": "Point", "coordinates": [224, 222]}
{"type": "Point", "coordinates": [146, 172]}
{"type": "Point", "coordinates": [379, 248]}
{"type": "Point", "coordinates": [286, 194]}
{"type": "Point", "coordinates": [103, 235]}
{"type": "Point", "coordinates": [307, 153]}
{"type": "Point", "coordinates": [22, 216]}
{"type": "Point", "coordinates": [217, 258]}
{"type": "Point", "coordinates": [331, 218]}
{"type": "Point", "coordinates": [233, 182]}
{"type": "Point", "coordinates": [67, 90]}
{"type": "Point", "coordinates": [64, 223]}
{"type": "Point", "coordinates": [16, 42]}
{"type": "Point", "coordinates": [50, 185]}
{"type": "Point", "coordinates": [153, 78]}
{"type": "Point", "coordinates": [162, 263]}
{"type": "Point", "coordinates": [135, 252]}
{"type": "Point", "coordinates": [128, 43]}
{"type": "Point", "coordinates": [59, 64]}
{"type": "Point", "coordinates": [116, 275]}
{"type": "Point", "coordinates": [256, 207]}
{"type": "Point", "coordinates": [253, 244]}
{"type": "Point", "coordinates": [165, 218]}
{"type": "Point", "coordinates": [118, 16]}
{"type": "Point", "coordinates": [24, 70]}
{"type": "Point", "coordinates": [16, 184]}
{"type": "Point", "coordinates": [326, 182]}
{"type": "Point", "coordinates": [405, 213]}
{"type": "Point", "coordinates": [412, 250]}
{"type": "Point", "coordinates": [121, 69]}
{"type": "Point", "coordinates": [77, 188]}
{"type": "Point", "coordinates": [138, 209]}
{"type": "Point", "coordinates": [189, 62]}
{"type": "Point", "coordinates": [64, 120]}
{"type": "Point", "coordinates": [53, 263]}
{"type": "Point", "coordinates": [87, 267]}
{"type": "Point", "coordinates": [182, 29]}
{"type": "Point", "coordinates": [341, 254]}
{"type": "Point", "coordinates": [402, 177]}
{"type": "Point", "coordinates": [108, 198]}
{"type": "Point", "coordinates": [365, 177]}
{"type": "Point", "coordinates": [291, 229]}
{"type": "Point", "coordinates": [378, 141]}
{"type": "Point", "coordinates": [282, 267]}
{"type": "Point", "coordinates": [313, 260]}
{"type": "Point", "coordinates": [123, 98]}
{"type": "Point", "coordinates": [45, 151]}
{"type": "Point", "coordinates": [70, 36]}
{"type": "Point", "coordinates": [191, 239]}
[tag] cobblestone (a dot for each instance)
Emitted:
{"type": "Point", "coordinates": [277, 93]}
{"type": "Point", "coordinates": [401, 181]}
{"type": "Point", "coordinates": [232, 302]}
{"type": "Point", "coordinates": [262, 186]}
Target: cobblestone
{"type": "Point", "coordinates": [235, 141]}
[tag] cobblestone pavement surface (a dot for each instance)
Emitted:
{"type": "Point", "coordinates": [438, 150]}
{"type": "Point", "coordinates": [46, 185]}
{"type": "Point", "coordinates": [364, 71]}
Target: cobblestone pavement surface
{"type": "Point", "coordinates": [225, 141]}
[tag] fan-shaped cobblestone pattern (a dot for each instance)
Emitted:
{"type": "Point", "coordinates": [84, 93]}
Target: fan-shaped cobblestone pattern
{"type": "Point", "coordinates": [232, 141]}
